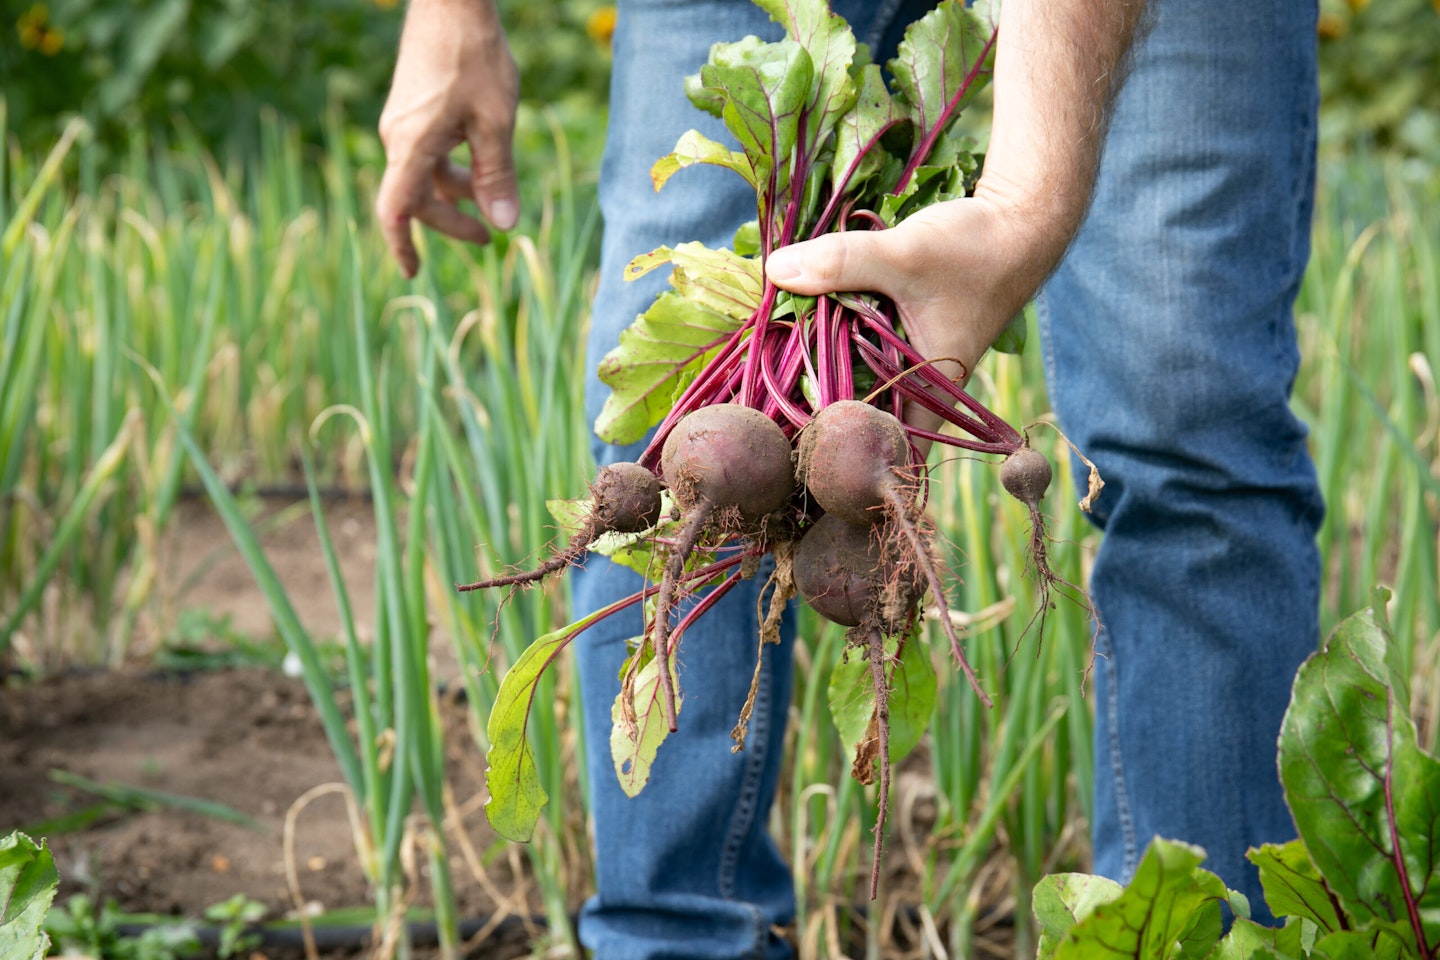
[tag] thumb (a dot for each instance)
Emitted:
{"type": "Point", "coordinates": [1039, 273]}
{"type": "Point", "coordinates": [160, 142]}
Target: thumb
{"type": "Point", "coordinates": [492, 172]}
{"type": "Point", "coordinates": [852, 261]}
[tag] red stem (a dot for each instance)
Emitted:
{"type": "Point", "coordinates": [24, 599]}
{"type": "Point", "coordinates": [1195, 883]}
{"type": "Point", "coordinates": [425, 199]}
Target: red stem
{"type": "Point", "coordinates": [927, 143]}
{"type": "Point", "coordinates": [1396, 852]}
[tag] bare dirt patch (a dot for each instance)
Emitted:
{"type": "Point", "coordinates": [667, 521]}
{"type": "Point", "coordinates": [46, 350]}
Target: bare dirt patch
{"type": "Point", "coordinates": [249, 739]}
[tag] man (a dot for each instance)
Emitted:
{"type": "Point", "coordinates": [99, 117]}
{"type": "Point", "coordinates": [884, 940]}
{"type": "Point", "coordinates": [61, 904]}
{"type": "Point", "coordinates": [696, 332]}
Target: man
{"type": "Point", "coordinates": [1170, 353]}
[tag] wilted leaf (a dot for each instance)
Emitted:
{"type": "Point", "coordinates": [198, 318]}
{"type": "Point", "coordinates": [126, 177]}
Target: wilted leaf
{"type": "Point", "coordinates": [718, 280]}
{"type": "Point", "coordinates": [1062, 900]}
{"type": "Point", "coordinates": [636, 734]}
{"type": "Point", "coordinates": [694, 147]}
{"type": "Point", "coordinates": [912, 699]}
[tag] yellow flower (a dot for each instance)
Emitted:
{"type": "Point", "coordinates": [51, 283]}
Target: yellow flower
{"type": "Point", "coordinates": [37, 34]}
{"type": "Point", "coordinates": [1332, 27]}
{"type": "Point", "coordinates": [601, 25]}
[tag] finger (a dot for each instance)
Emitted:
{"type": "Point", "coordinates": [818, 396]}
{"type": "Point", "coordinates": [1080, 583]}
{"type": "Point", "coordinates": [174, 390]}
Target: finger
{"type": "Point", "coordinates": [454, 183]}
{"type": "Point", "coordinates": [393, 211]}
{"type": "Point", "coordinates": [858, 260]}
{"type": "Point", "coordinates": [492, 173]}
{"type": "Point", "coordinates": [447, 218]}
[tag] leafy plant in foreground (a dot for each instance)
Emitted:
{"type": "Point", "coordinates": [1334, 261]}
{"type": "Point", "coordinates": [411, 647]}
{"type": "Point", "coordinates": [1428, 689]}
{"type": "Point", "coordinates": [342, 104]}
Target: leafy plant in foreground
{"type": "Point", "coordinates": [1361, 882]}
{"type": "Point", "coordinates": [27, 887]}
{"type": "Point", "coordinates": [81, 928]}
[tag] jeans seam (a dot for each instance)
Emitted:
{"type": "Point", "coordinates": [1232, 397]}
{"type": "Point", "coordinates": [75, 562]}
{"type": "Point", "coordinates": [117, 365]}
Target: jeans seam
{"type": "Point", "coordinates": [1047, 344]}
{"type": "Point", "coordinates": [1106, 653]}
{"type": "Point", "coordinates": [757, 744]}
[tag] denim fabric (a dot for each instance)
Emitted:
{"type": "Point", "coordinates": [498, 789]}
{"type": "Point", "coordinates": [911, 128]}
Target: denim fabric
{"type": "Point", "coordinates": [1170, 354]}
{"type": "Point", "coordinates": [1170, 351]}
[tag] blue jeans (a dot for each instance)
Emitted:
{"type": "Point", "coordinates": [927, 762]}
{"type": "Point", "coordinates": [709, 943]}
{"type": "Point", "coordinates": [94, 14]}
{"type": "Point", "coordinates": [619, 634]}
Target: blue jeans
{"type": "Point", "coordinates": [1159, 309]}
{"type": "Point", "coordinates": [1170, 354]}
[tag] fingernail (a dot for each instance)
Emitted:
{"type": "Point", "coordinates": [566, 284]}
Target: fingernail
{"type": "Point", "coordinates": [782, 268]}
{"type": "Point", "coordinates": [504, 213]}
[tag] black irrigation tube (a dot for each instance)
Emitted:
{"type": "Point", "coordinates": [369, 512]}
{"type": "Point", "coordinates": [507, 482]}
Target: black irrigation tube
{"type": "Point", "coordinates": [423, 933]}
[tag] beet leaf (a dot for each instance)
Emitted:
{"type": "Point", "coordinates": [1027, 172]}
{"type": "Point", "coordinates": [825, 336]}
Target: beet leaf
{"type": "Point", "coordinates": [912, 698]}
{"type": "Point", "coordinates": [636, 734]}
{"type": "Point", "coordinates": [1364, 796]}
{"type": "Point", "coordinates": [513, 779]}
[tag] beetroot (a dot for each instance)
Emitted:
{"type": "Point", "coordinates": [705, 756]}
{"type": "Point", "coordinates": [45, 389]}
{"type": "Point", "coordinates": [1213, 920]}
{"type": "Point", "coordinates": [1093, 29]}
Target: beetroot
{"type": "Point", "coordinates": [1026, 475]}
{"type": "Point", "coordinates": [729, 455]}
{"type": "Point", "coordinates": [850, 458]}
{"type": "Point", "coordinates": [625, 498]}
{"type": "Point", "coordinates": [842, 572]}
{"type": "Point", "coordinates": [834, 565]}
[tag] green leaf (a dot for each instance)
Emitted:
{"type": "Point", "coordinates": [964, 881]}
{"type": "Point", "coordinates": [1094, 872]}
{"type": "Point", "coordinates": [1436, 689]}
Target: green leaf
{"type": "Point", "coordinates": [636, 735]}
{"type": "Point", "coordinates": [1293, 887]}
{"type": "Point", "coordinates": [658, 355]}
{"type": "Point", "coordinates": [516, 794]}
{"type": "Point", "coordinates": [1248, 940]}
{"type": "Point", "coordinates": [1062, 900]}
{"type": "Point", "coordinates": [1376, 943]}
{"type": "Point", "coordinates": [858, 155]}
{"type": "Point", "coordinates": [694, 147]}
{"type": "Point", "coordinates": [1360, 789]}
{"type": "Point", "coordinates": [1012, 338]}
{"type": "Point", "coordinates": [830, 45]}
{"type": "Point", "coordinates": [912, 697]}
{"type": "Point", "coordinates": [747, 239]}
{"type": "Point", "coordinates": [765, 87]}
{"type": "Point", "coordinates": [940, 52]}
{"type": "Point", "coordinates": [1171, 909]}
{"type": "Point", "coordinates": [28, 880]}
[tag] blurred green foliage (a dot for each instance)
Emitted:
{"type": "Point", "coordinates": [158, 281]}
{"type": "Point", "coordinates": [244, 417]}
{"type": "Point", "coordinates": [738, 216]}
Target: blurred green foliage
{"type": "Point", "coordinates": [1380, 75]}
{"type": "Point", "coordinates": [218, 63]}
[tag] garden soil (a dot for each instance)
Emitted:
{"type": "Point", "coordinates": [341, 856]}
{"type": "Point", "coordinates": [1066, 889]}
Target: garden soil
{"type": "Point", "coordinates": [247, 738]}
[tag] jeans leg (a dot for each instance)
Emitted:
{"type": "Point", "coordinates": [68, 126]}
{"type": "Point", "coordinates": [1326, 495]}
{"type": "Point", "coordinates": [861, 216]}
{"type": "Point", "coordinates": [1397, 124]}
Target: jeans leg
{"type": "Point", "coordinates": [1170, 351]}
{"type": "Point", "coordinates": [686, 868]}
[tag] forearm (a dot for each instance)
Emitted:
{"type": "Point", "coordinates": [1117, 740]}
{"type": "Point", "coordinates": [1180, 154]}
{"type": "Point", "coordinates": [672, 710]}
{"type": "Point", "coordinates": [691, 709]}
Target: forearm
{"type": "Point", "coordinates": [1058, 66]}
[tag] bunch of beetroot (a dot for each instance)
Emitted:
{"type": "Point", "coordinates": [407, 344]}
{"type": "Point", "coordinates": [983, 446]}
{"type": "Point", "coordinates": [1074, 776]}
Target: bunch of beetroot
{"type": "Point", "coordinates": [778, 419]}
